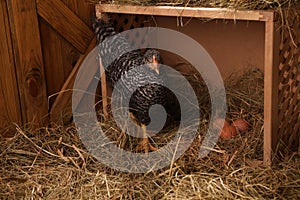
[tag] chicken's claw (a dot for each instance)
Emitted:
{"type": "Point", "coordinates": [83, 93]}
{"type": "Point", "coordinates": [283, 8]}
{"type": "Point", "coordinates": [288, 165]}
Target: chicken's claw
{"type": "Point", "coordinates": [146, 146]}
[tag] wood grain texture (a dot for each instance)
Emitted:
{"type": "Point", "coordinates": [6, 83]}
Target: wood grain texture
{"type": "Point", "coordinates": [9, 97]}
{"type": "Point", "coordinates": [28, 61]}
{"type": "Point", "coordinates": [67, 60]}
{"type": "Point", "coordinates": [53, 59]}
{"type": "Point", "coordinates": [69, 53]}
{"type": "Point", "coordinates": [61, 110]}
{"type": "Point", "coordinates": [211, 13]}
{"type": "Point", "coordinates": [271, 137]}
{"type": "Point", "coordinates": [60, 56]}
{"type": "Point", "coordinates": [65, 22]}
{"type": "Point", "coordinates": [83, 9]}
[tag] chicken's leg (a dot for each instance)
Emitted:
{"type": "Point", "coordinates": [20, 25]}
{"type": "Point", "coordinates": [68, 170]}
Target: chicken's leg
{"type": "Point", "coordinates": [145, 143]}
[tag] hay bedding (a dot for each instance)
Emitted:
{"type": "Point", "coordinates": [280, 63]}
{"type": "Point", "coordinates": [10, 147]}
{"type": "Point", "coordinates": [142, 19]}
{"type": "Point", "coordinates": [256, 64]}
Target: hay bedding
{"type": "Point", "coordinates": [52, 163]}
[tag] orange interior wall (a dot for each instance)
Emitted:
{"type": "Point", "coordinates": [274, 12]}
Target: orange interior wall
{"type": "Point", "coordinates": [233, 45]}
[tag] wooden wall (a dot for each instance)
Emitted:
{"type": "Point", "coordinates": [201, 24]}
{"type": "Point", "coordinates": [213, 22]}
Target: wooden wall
{"type": "Point", "coordinates": [41, 42]}
{"type": "Point", "coordinates": [9, 96]}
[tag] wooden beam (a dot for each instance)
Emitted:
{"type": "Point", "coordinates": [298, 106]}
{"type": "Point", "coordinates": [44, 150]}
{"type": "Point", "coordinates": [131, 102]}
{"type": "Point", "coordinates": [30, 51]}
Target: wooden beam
{"type": "Point", "coordinates": [28, 61]}
{"type": "Point", "coordinates": [271, 137]}
{"type": "Point", "coordinates": [61, 105]}
{"type": "Point", "coordinates": [66, 23]}
{"type": "Point", "coordinates": [60, 56]}
{"type": "Point", "coordinates": [9, 96]}
{"type": "Point", "coordinates": [53, 58]}
{"type": "Point", "coordinates": [210, 13]}
{"type": "Point", "coordinates": [82, 9]}
{"type": "Point", "coordinates": [103, 89]}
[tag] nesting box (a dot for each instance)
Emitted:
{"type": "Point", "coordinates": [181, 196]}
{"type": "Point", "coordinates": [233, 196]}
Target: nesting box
{"type": "Point", "coordinates": [236, 39]}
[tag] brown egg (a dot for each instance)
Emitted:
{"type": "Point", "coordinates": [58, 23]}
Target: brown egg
{"type": "Point", "coordinates": [228, 132]}
{"type": "Point", "coordinates": [220, 123]}
{"type": "Point", "coordinates": [241, 124]}
{"type": "Point", "coordinates": [233, 131]}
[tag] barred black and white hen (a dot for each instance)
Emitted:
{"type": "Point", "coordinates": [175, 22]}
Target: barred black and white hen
{"type": "Point", "coordinates": [118, 59]}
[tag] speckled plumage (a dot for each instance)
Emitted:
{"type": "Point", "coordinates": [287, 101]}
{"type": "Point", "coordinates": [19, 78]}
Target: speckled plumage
{"type": "Point", "coordinates": [115, 50]}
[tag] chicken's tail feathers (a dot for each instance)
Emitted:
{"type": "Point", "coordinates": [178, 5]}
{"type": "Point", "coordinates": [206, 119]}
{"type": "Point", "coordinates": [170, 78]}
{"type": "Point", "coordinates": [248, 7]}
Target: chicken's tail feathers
{"type": "Point", "coordinates": [103, 27]}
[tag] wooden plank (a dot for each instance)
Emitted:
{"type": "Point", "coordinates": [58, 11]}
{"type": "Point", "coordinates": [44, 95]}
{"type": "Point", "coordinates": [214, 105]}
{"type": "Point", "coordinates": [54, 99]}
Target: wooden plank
{"type": "Point", "coordinates": [61, 106]}
{"type": "Point", "coordinates": [28, 61]}
{"type": "Point", "coordinates": [103, 89]}
{"type": "Point", "coordinates": [83, 9]}
{"type": "Point", "coordinates": [70, 56]}
{"type": "Point", "coordinates": [65, 22]}
{"type": "Point", "coordinates": [69, 53]}
{"type": "Point", "coordinates": [9, 95]}
{"type": "Point", "coordinates": [53, 59]}
{"type": "Point", "coordinates": [210, 13]}
{"type": "Point", "coordinates": [59, 55]}
{"type": "Point", "coordinates": [271, 137]}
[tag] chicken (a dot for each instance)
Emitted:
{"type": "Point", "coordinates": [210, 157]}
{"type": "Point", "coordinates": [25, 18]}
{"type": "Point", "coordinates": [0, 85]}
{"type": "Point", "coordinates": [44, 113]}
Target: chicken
{"type": "Point", "coordinates": [119, 51]}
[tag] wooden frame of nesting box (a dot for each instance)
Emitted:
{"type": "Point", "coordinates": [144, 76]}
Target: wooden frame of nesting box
{"type": "Point", "coordinates": [280, 61]}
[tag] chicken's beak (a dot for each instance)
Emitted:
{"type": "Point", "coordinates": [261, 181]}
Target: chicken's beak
{"type": "Point", "coordinates": [155, 64]}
